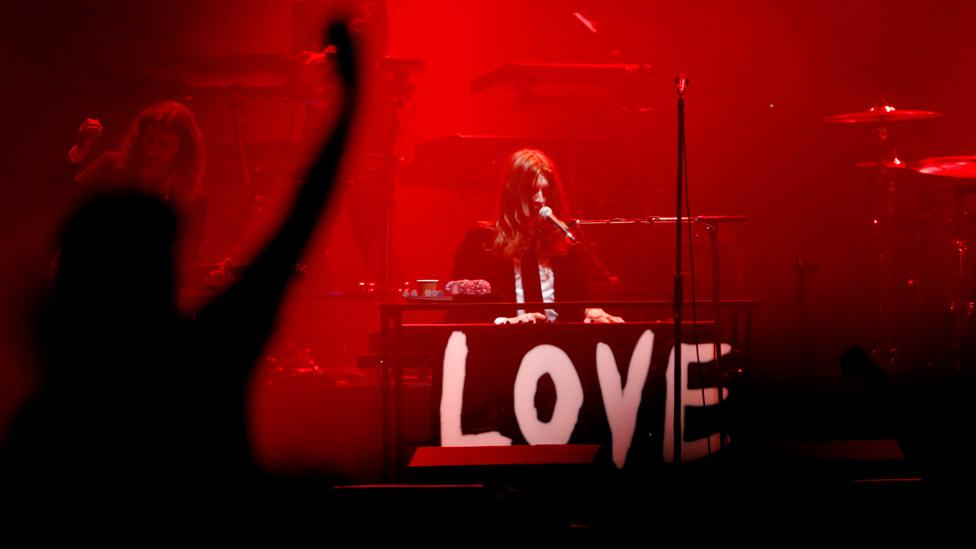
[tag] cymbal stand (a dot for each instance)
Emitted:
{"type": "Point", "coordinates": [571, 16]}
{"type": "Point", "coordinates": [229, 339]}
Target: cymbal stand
{"type": "Point", "coordinates": [885, 353]}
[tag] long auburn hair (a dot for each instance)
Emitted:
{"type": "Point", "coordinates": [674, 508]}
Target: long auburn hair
{"type": "Point", "coordinates": [518, 224]}
{"type": "Point", "coordinates": [186, 175]}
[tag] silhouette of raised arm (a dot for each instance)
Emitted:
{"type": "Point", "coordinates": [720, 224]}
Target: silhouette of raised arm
{"type": "Point", "coordinates": [245, 314]}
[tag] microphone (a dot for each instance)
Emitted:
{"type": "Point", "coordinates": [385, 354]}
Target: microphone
{"type": "Point", "coordinates": [681, 84]}
{"type": "Point", "coordinates": [546, 213]}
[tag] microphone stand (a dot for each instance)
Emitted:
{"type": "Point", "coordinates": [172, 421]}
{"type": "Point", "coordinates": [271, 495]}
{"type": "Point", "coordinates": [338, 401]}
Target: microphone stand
{"type": "Point", "coordinates": [588, 247]}
{"type": "Point", "coordinates": [678, 312]}
{"type": "Point", "coordinates": [582, 242]}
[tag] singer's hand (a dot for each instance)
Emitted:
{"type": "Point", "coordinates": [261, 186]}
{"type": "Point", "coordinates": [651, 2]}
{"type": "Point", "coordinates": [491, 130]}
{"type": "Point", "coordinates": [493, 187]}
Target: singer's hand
{"type": "Point", "coordinates": [525, 318]}
{"type": "Point", "coordinates": [599, 316]}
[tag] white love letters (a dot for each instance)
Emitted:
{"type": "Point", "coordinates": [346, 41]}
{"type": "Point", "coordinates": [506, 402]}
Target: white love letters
{"type": "Point", "coordinates": [621, 399]}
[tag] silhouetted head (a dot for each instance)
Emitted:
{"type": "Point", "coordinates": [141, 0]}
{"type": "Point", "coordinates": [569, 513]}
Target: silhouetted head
{"type": "Point", "coordinates": [529, 182]}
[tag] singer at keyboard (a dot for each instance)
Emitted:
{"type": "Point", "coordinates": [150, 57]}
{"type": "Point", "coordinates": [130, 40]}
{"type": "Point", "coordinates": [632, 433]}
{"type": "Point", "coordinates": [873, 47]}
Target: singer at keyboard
{"type": "Point", "coordinates": [525, 255]}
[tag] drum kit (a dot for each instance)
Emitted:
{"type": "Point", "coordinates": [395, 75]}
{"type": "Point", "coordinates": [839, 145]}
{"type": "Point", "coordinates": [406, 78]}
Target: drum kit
{"type": "Point", "coordinates": [957, 173]}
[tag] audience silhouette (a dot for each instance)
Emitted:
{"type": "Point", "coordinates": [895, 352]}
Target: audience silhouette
{"type": "Point", "coordinates": [140, 405]}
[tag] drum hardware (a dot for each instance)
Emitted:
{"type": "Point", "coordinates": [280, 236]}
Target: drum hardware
{"type": "Point", "coordinates": [881, 117]}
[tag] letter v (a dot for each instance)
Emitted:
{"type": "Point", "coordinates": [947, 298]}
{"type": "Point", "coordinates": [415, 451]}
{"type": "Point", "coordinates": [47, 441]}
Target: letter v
{"type": "Point", "coordinates": [621, 402]}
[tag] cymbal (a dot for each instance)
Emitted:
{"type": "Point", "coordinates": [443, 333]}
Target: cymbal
{"type": "Point", "coordinates": [882, 113]}
{"type": "Point", "coordinates": [947, 166]}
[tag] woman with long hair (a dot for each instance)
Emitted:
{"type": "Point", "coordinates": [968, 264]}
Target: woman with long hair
{"type": "Point", "coordinates": [162, 153]}
{"type": "Point", "coordinates": [522, 256]}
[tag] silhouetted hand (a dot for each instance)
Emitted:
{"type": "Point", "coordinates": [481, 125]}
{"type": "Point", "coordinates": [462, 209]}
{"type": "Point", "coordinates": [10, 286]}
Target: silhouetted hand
{"type": "Point", "coordinates": [346, 58]}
